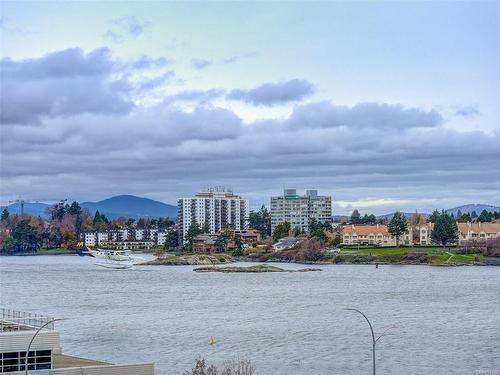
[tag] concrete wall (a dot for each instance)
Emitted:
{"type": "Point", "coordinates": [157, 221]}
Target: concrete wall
{"type": "Point", "coordinates": [132, 369]}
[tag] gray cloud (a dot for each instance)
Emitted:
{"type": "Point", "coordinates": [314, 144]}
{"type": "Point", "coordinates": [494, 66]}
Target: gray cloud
{"type": "Point", "coordinates": [364, 115]}
{"type": "Point", "coordinates": [72, 82]}
{"type": "Point", "coordinates": [270, 94]}
{"type": "Point", "coordinates": [210, 145]}
{"type": "Point", "coordinates": [125, 27]}
{"type": "Point", "coordinates": [467, 111]}
{"type": "Point", "coordinates": [200, 64]}
{"type": "Point", "coordinates": [87, 144]}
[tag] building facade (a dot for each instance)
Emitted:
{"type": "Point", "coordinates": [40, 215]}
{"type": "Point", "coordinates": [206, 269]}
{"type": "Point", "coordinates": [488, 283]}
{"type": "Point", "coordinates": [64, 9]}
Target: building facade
{"type": "Point", "coordinates": [477, 231]}
{"type": "Point", "coordinates": [129, 238]}
{"type": "Point", "coordinates": [214, 209]}
{"type": "Point", "coordinates": [299, 210]}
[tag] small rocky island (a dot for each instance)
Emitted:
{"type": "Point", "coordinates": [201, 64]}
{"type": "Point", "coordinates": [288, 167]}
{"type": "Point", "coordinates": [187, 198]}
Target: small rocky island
{"type": "Point", "coordinates": [254, 269]}
{"type": "Point", "coordinates": [189, 260]}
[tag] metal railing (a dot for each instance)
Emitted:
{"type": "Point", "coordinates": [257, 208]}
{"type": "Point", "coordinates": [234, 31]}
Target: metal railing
{"type": "Point", "coordinates": [14, 320]}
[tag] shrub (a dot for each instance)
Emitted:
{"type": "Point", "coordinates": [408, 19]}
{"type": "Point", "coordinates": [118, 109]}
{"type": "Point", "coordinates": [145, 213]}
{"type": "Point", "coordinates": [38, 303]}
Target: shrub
{"type": "Point", "coordinates": [234, 367]}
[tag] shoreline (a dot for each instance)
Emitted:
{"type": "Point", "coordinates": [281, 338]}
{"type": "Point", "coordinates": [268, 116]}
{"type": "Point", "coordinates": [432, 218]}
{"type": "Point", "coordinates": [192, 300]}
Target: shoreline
{"type": "Point", "coordinates": [215, 259]}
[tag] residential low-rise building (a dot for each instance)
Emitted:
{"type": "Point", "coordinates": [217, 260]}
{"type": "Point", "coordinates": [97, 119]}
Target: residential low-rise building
{"type": "Point", "coordinates": [127, 245]}
{"type": "Point", "coordinates": [477, 231]}
{"type": "Point", "coordinates": [373, 235]}
{"type": "Point", "coordinates": [422, 234]}
{"type": "Point", "coordinates": [248, 236]}
{"type": "Point", "coordinates": [126, 238]}
{"type": "Point", "coordinates": [205, 243]}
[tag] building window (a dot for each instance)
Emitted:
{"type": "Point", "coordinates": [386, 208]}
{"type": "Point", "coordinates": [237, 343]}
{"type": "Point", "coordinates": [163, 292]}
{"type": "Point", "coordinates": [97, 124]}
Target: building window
{"type": "Point", "coordinates": [15, 361]}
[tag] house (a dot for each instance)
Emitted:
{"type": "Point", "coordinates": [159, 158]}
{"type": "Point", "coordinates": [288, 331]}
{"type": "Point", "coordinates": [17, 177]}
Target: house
{"type": "Point", "coordinates": [286, 243]}
{"type": "Point", "coordinates": [205, 243]}
{"type": "Point", "coordinates": [248, 236]}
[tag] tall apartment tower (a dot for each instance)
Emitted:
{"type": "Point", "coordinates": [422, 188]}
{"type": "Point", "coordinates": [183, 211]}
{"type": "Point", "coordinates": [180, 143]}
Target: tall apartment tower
{"type": "Point", "coordinates": [216, 208]}
{"type": "Point", "coordinates": [299, 210]}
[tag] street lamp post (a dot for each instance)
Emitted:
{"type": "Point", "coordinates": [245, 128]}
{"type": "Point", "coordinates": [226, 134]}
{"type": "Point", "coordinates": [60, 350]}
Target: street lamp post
{"type": "Point", "coordinates": [374, 340]}
{"type": "Point", "coordinates": [33, 338]}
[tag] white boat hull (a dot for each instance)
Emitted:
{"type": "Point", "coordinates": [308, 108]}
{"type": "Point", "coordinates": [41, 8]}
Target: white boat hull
{"type": "Point", "coordinates": [117, 265]}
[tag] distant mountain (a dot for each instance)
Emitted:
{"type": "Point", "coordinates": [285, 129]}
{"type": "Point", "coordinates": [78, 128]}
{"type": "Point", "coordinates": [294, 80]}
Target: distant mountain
{"type": "Point", "coordinates": [120, 205]}
{"type": "Point", "coordinates": [35, 209]}
{"type": "Point", "coordinates": [131, 206]}
{"type": "Point", "coordinates": [407, 215]}
{"type": "Point", "coordinates": [469, 208]}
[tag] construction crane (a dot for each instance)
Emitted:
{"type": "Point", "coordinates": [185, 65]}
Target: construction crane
{"type": "Point", "coordinates": [22, 202]}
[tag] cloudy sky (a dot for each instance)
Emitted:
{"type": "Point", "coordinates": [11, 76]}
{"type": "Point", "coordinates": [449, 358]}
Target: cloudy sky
{"type": "Point", "coordinates": [383, 106]}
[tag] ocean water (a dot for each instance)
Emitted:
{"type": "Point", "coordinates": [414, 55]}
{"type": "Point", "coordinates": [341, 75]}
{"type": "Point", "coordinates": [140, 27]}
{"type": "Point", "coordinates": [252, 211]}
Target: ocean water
{"type": "Point", "coordinates": [444, 320]}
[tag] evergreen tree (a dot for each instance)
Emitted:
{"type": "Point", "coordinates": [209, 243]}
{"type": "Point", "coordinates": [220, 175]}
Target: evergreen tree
{"type": "Point", "coordinates": [434, 216]}
{"type": "Point", "coordinates": [317, 230]}
{"type": "Point", "coordinates": [24, 239]}
{"type": "Point", "coordinates": [58, 210]}
{"type": "Point", "coordinates": [141, 223]}
{"type": "Point", "coordinates": [485, 216]}
{"type": "Point", "coordinates": [206, 228]}
{"type": "Point", "coordinates": [261, 220]}
{"type": "Point", "coordinates": [445, 230]}
{"type": "Point", "coordinates": [281, 230]}
{"type": "Point", "coordinates": [222, 241]}
{"type": "Point", "coordinates": [74, 209]}
{"type": "Point", "coordinates": [464, 218]}
{"type": "Point", "coordinates": [192, 232]}
{"type": "Point", "coordinates": [397, 226]}
{"type": "Point", "coordinates": [238, 246]}
{"type": "Point", "coordinates": [355, 217]}
{"type": "Point", "coordinates": [172, 240]}
{"type": "Point", "coordinates": [5, 214]}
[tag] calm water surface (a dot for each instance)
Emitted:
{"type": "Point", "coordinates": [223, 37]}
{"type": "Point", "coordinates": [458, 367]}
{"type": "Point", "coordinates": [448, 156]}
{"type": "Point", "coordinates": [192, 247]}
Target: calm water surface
{"type": "Point", "coordinates": [446, 320]}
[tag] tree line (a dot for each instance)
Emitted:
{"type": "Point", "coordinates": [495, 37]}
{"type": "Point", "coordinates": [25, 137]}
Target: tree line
{"type": "Point", "coordinates": [62, 228]}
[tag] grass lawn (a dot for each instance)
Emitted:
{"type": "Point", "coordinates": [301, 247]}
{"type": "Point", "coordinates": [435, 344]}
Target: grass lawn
{"type": "Point", "coordinates": [378, 251]}
{"type": "Point", "coordinates": [437, 255]}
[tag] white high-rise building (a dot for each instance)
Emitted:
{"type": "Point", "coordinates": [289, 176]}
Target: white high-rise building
{"type": "Point", "coordinates": [299, 210]}
{"type": "Point", "coordinates": [215, 209]}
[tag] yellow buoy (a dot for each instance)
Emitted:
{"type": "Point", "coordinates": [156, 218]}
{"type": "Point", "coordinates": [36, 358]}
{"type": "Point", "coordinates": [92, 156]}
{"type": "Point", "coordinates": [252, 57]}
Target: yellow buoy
{"type": "Point", "coordinates": [211, 340]}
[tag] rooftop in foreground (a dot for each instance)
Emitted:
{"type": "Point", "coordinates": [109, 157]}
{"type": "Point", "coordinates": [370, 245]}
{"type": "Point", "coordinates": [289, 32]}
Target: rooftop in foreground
{"type": "Point", "coordinates": [13, 320]}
